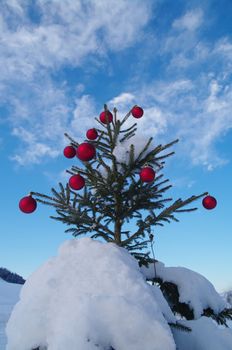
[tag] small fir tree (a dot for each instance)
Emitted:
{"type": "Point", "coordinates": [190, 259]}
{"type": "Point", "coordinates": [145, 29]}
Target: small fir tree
{"type": "Point", "coordinates": [111, 200]}
{"type": "Point", "coordinates": [119, 196]}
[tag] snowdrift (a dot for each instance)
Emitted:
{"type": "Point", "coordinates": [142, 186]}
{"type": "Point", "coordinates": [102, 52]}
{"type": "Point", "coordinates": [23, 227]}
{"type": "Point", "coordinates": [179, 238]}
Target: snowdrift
{"type": "Point", "coordinates": [91, 296]}
{"type": "Point", "coordinates": [94, 296]}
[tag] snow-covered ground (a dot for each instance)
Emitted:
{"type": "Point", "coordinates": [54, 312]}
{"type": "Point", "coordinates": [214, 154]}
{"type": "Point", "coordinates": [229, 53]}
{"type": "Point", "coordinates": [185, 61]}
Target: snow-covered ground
{"type": "Point", "coordinates": [9, 296]}
{"type": "Point", "coordinates": [97, 292]}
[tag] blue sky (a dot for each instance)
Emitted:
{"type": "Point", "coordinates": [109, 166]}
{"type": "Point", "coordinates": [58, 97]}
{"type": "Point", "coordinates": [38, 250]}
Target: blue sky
{"type": "Point", "coordinates": [61, 61]}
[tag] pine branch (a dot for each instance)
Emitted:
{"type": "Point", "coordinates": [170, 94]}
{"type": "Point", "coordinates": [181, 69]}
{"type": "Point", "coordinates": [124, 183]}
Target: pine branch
{"type": "Point", "coordinates": [168, 145]}
{"type": "Point", "coordinates": [165, 156]}
{"type": "Point", "coordinates": [129, 129]}
{"type": "Point", "coordinates": [73, 142]}
{"type": "Point", "coordinates": [176, 205]}
{"type": "Point", "coordinates": [131, 238]}
{"type": "Point", "coordinates": [221, 318]}
{"type": "Point", "coordinates": [125, 118]}
{"type": "Point", "coordinates": [179, 326]}
{"type": "Point", "coordinates": [112, 200]}
{"type": "Point", "coordinates": [145, 149]}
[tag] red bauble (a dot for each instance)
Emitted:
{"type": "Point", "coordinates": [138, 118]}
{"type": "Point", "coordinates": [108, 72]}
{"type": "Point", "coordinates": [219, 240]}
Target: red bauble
{"type": "Point", "coordinates": [76, 182]}
{"type": "Point", "coordinates": [103, 117]}
{"type": "Point", "coordinates": [86, 151]}
{"type": "Point", "coordinates": [147, 174]}
{"type": "Point", "coordinates": [92, 134]}
{"type": "Point", "coordinates": [209, 202]}
{"type": "Point", "coordinates": [137, 112]}
{"type": "Point", "coordinates": [27, 204]}
{"type": "Point", "coordinates": [69, 152]}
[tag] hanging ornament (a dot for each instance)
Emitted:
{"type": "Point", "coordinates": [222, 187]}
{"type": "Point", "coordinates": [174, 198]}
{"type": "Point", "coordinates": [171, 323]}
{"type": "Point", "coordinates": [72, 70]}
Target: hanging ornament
{"type": "Point", "coordinates": [209, 202]}
{"type": "Point", "coordinates": [76, 182]}
{"type": "Point", "coordinates": [69, 152]}
{"type": "Point", "coordinates": [147, 174]}
{"type": "Point", "coordinates": [137, 112]}
{"type": "Point", "coordinates": [27, 204]}
{"type": "Point", "coordinates": [86, 151]}
{"type": "Point", "coordinates": [103, 117]}
{"type": "Point", "coordinates": [92, 134]}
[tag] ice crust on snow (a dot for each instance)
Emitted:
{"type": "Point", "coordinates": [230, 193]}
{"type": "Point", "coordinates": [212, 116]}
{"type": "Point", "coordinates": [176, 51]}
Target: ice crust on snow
{"type": "Point", "coordinates": [90, 290]}
{"type": "Point", "coordinates": [194, 289]}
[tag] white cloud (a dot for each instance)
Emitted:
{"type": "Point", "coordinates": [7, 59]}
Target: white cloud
{"type": "Point", "coordinates": [195, 107]}
{"type": "Point", "coordinates": [154, 122]}
{"type": "Point", "coordinates": [62, 33]}
{"type": "Point", "coordinates": [66, 33]}
{"type": "Point", "coordinates": [15, 6]}
{"type": "Point", "coordinates": [39, 119]}
{"type": "Point", "coordinates": [84, 112]}
{"type": "Point", "coordinates": [164, 91]}
{"type": "Point", "coordinates": [61, 176]}
{"type": "Point", "coordinates": [191, 20]}
{"type": "Point", "coordinates": [197, 111]}
{"type": "Point", "coordinates": [214, 103]}
{"type": "Point", "coordinates": [35, 150]}
{"type": "Point", "coordinates": [122, 100]}
{"type": "Point", "coordinates": [224, 47]}
{"type": "Point", "coordinates": [183, 43]}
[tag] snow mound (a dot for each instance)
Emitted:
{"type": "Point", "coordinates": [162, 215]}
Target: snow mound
{"type": "Point", "coordinates": [205, 335]}
{"type": "Point", "coordinates": [194, 289]}
{"type": "Point", "coordinates": [91, 296]}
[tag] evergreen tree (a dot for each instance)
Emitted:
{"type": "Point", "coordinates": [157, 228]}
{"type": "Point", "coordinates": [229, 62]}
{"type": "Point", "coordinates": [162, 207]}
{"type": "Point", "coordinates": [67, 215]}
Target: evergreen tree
{"type": "Point", "coordinates": [119, 196]}
{"type": "Point", "coordinates": [112, 199]}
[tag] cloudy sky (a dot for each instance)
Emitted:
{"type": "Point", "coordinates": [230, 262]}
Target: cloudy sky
{"type": "Point", "coordinates": [60, 61]}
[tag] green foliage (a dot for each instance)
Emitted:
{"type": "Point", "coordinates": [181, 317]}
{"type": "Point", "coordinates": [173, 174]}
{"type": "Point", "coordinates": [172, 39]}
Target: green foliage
{"type": "Point", "coordinates": [171, 294]}
{"type": "Point", "coordinates": [108, 202]}
{"type": "Point", "coordinates": [221, 318]}
{"type": "Point", "coordinates": [179, 326]}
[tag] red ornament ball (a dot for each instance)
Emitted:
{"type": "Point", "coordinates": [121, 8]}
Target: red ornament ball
{"type": "Point", "coordinates": [76, 182]}
{"type": "Point", "coordinates": [92, 134]}
{"type": "Point", "coordinates": [147, 174]}
{"type": "Point", "coordinates": [103, 117]}
{"type": "Point", "coordinates": [86, 151]}
{"type": "Point", "coordinates": [69, 152]}
{"type": "Point", "coordinates": [27, 204]}
{"type": "Point", "coordinates": [137, 112]}
{"type": "Point", "coordinates": [209, 202]}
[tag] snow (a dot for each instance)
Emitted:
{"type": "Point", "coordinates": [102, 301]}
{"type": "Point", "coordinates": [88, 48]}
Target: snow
{"type": "Point", "coordinates": [205, 335]}
{"type": "Point", "coordinates": [194, 289]}
{"type": "Point", "coordinates": [9, 295]}
{"type": "Point", "coordinates": [122, 152]}
{"type": "Point", "coordinates": [227, 296]}
{"type": "Point", "coordinates": [163, 304]}
{"type": "Point", "coordinates": [122, 149]}
{"type": "Point", "coordinates": [112, 305]}
{"type": "Point", "coordinates": [90, 291]}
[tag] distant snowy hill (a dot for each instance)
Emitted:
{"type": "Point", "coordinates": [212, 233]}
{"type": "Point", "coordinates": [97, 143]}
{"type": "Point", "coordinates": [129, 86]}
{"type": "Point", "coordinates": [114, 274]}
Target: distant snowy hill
{"type": "Point", "coordinates": [9, 296]}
